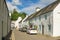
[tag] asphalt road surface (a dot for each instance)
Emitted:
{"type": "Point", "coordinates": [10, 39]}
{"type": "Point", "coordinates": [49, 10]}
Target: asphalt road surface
{"type": "Point", "coordinates": [24, 36]}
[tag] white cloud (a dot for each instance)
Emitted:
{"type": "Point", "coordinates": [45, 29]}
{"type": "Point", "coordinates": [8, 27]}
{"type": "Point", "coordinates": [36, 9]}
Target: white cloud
{"type": "Point", "coordinates": [16, 2]}
{"type": "Point", "coordinates": [47, 1]}
{"type": "Point", "coordinates": [31, 9]}
{"type": "Point", "coordinates": [41, 4]}
{"type": "Point", "coordinates": [11, 7]}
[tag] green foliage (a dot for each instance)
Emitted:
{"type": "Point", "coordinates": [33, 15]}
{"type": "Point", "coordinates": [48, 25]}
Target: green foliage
{"type": "Point", "coordinates": [15, 15]}
{"type": "Point", "coordinates": [23, 15]}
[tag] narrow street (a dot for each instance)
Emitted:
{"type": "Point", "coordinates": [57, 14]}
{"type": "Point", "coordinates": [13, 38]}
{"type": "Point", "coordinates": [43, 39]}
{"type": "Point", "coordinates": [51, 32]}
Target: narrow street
{"type": "Point", "coordinates": [24, 36]}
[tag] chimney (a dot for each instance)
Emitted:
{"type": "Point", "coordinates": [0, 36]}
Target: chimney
{"type": "Point", "coordinates": [37, 9]}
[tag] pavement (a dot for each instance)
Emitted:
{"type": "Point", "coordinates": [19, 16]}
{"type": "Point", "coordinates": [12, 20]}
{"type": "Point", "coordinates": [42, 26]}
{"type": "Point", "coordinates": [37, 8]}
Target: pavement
{"type": "Point", "coordinates": [18, 35]}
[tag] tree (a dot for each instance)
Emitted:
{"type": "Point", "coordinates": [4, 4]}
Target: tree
{"type": "Point", "coordinates": [15, 15]}
{"type": "Point", "coordinates": [23, 15]}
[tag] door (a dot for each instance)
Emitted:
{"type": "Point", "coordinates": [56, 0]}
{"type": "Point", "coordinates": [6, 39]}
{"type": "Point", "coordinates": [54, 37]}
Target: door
{"type": "Point", "coordinates": [39, 28]}
{"type": "Point", "coordinates": [43, 29]}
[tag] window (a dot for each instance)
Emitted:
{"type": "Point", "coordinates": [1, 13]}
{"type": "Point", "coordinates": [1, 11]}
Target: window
{"type": "Point", "coordinates": [45, 17]}
{"type": "Point", "coordinates": [40, 27]}
{"type": "Point", "coordinates": [39, 17]}
{"type": "Point", "coordinates": [49, 27]}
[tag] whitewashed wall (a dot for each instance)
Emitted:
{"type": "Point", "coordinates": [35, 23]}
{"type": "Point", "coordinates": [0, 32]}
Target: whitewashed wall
{"type": "Point", "coordinates": [56, 20]}
{"type": "Point", "coordinates": [53, 18]}
{"type": "Point", "coordinates": [41, 21]}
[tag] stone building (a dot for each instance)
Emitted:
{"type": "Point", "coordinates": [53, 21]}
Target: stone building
{"type": "Point", "coordinates": [4, 20]}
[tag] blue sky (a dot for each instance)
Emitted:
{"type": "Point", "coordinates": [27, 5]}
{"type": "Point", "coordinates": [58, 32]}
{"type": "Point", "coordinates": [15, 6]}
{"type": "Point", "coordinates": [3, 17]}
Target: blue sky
{"type": "Point", "coordinates": [27, 6]}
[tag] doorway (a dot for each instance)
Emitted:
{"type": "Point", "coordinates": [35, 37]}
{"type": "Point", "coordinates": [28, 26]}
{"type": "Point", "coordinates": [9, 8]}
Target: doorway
{"type": "Point", "coordinates": [43, 29]}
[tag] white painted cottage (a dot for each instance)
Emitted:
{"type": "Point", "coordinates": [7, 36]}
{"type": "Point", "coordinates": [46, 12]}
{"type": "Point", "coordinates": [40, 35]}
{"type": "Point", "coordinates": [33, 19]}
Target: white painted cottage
{"type": "Point", "coordinates": [47, 19]}
{"type": "Point", "coordinates": [17, 22]}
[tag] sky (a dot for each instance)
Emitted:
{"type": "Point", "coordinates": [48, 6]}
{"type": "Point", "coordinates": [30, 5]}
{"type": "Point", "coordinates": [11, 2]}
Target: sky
{"type": "Point", "coordinates": [27, 6]}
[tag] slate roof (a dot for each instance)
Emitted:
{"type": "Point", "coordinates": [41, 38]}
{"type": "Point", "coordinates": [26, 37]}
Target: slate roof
{"type": "Point", "coordinates": [45, 9]}
{"type": "Point", "coordinates": [48, 8]}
